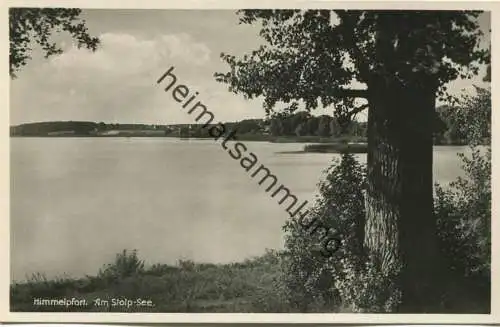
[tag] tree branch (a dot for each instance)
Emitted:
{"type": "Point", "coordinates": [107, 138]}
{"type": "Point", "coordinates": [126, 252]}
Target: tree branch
{"type": "Point", "coordinates": [358, 109]}
{"type": "Point", "coordinates": [349, 24]}
{"type": "Point", "coordinates": [359, 59]}
{"type": "Point", "coordinates": [350, 93]}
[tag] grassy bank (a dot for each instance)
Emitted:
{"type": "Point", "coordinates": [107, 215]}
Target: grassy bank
{"type": "Point", "coordinates": [248, 286]}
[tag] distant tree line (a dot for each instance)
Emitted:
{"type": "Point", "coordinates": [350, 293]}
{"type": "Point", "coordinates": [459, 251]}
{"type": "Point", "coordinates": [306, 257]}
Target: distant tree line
{"type": "Point", "coordinates": [80, 128]}
{"type": "Point", "coordinates": [450, 127]}
{"type": "Point", "coordinates": [304, 124]}
{"type": "Point", "coordinates": [243, 127]}
{"type": "Point", "coordinates": [83, 128]}
{"type": "Point", "coordinates": [45, 128]}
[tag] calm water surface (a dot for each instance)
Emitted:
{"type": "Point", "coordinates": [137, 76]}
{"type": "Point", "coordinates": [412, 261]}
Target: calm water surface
{"type": "Point", "coordinates": [76, 202]}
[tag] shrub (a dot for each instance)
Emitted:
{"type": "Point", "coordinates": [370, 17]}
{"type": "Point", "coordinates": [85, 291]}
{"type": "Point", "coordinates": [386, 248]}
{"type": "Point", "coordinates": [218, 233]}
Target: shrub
{"type": "Point", "coordinates": [319, 283]}
{"type": "Point", "coordinates": [463, 213]}
{"type": "Point", "coordinates": [349, 279]}
{"type": "Point", "coordinates": [270, 293]}
{"type": "Point", "coordinates": [363, 287]}
{"type": "Point", "coordinates": [463, 209]}
{"type": "Point", "coordinates": [126, 264]}
{"type": "Point", "coordinates": [158, 269]}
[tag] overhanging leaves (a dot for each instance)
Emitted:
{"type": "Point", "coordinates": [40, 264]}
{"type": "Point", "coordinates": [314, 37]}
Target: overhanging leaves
{"type": "Point", "coordinates": [316, 55]}
{"type": "Point", "coordinates": [36, 25]}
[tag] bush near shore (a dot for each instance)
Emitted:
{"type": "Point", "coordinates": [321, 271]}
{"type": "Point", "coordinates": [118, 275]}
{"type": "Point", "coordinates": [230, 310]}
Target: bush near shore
{"type": "Point", "coordinates": [295, 280]}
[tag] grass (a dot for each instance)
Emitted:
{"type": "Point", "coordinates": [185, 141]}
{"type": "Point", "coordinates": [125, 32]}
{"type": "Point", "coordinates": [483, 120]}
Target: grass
{"type": "Point", "coordinates": [249, 286]}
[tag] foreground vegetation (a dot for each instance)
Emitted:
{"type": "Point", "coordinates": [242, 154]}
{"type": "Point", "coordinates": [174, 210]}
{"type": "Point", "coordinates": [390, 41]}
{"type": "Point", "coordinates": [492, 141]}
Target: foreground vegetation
{"type": "Point", "coordinates": [403, 71]}
{"type": "Point", "coordinates": [299, 279]}
{"type": "Point", "coordinates": [248, 286]}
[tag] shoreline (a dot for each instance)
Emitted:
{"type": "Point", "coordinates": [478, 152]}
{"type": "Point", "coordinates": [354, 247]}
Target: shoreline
{"type": "Point", "coordinates": [307, 140]}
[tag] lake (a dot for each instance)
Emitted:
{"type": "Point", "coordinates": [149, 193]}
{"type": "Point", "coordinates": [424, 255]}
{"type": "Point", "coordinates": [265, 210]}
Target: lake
{"type": "Point", "coordinates": [76, 202]}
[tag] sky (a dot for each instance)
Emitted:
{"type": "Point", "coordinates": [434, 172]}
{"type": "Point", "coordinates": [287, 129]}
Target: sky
{"type": "Point", "coordinates": [117, 83]}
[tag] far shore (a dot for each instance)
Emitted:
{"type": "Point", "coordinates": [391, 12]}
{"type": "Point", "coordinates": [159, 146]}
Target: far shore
{"type": "Point", "coordinates": [312, 144]}
{"type": "Point", "coordinates": [241, 137]}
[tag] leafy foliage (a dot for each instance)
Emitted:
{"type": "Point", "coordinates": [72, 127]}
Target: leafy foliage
{"type": "Point", "coordinates": [464, 207]}
{"type": "Point", "coordinates": [126, 264]}
{"type": "Point", "coordinates": [302, 123]}
{"type": "Point", "coordinates": [352, 279]}
{"type": "Point", "coordinates": [29, 25]}
{"type": "Point", "coordinates": [464, 211]}
{"type": "Point", "coordinates": [468, 121]}
{"type": "Point", "coordinates": [364, 287]}
{"type": "Point", "coordinates": [348, 279]}
{"type": "Point", "coordinates": [473, 117]}
{"type": "Point", "coordinates": [312, 56]}
{"type": "Point", "coordinates": [249, 286]}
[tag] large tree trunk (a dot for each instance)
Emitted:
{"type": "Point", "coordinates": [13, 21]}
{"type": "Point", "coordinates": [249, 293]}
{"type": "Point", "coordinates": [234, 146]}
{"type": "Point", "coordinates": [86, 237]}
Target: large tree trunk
{"type": "Point", "coordinates": [400, 226]}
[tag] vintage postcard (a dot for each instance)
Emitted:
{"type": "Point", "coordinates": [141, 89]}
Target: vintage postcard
{"type": "Point", "coordinates": [298, 162]}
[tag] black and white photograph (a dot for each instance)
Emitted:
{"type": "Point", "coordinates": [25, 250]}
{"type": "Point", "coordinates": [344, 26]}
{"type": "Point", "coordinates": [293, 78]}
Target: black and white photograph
{"type": "Point", "coordinates": [290, 160]}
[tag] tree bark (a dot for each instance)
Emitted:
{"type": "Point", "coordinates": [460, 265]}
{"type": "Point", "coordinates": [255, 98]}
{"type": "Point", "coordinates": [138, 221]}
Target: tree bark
{"type": "Point", "coordinates": [400, 226]}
